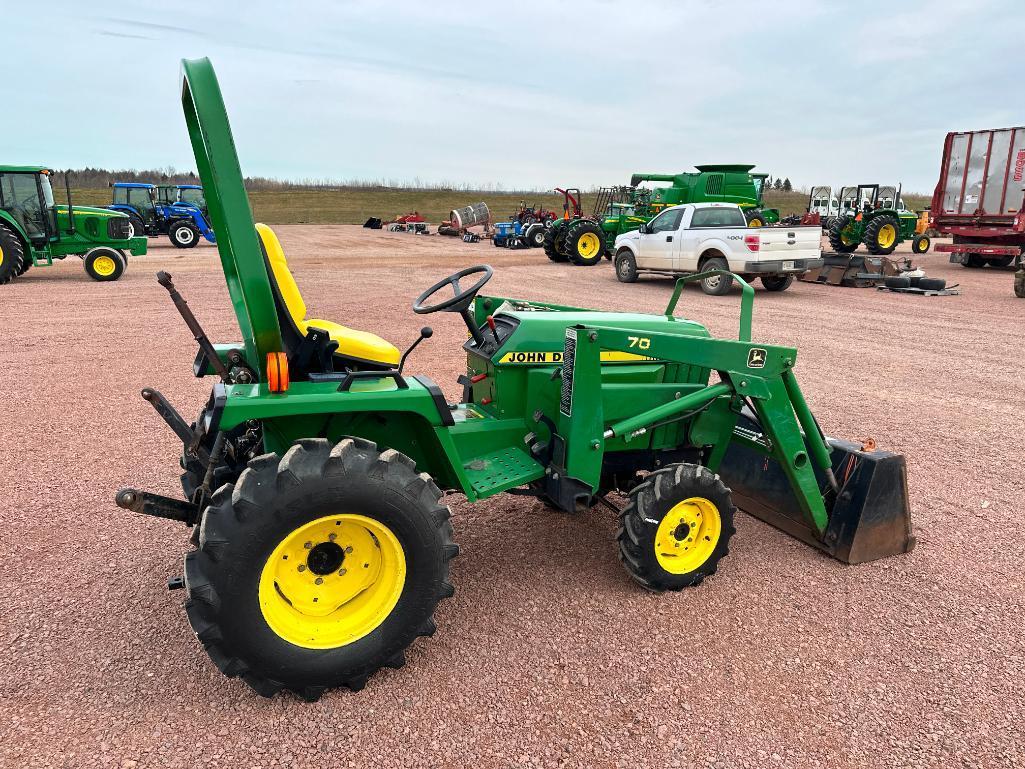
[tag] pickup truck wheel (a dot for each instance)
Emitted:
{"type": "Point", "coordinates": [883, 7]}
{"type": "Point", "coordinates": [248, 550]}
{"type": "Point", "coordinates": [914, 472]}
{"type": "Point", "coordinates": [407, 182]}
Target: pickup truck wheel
{"type": "Point", "coordinates": [842, 235]}
{"type": "Point", "coordinates": [777, 282]}
{"type": "Point", "coordinates": [626, 266]}
{"type": "Point", "coordinates": [716, 285]}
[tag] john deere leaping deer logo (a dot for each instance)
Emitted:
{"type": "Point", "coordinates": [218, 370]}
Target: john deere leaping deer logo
{"type": "Point", "coordinates": [756, 358]}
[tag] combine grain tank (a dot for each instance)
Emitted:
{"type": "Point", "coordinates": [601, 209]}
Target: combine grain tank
{"type": "Point", "coordinates": [978, 199]}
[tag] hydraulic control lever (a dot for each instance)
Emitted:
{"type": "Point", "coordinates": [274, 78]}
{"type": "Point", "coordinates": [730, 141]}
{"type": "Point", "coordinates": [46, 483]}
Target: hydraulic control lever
{"type": "Point", "coordinates": [425, 333]}
{"type": "Point", "coordinates": [164, 279]}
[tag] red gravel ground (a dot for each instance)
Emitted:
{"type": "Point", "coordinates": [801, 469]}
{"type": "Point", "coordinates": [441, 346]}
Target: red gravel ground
{"type": "Point", "coordinates": [548, 655]}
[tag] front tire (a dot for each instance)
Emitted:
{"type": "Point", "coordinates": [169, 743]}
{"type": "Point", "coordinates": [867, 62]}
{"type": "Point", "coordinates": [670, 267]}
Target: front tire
{"type": "Point", "coordinates": [136, 227]}
{"type": "Point", "coordinates": [999, 261]}
{"type": "Point", "coordinates": [626, 266]}
{"type": "Point", "coordinates": [104, 264]}
{"type": "Point", "coordinates": [536, 236]}
{"type": "Point", "coordinates": [319, 567]}
{"type": "Point", "coordinates": [920, 244]}
{"type": "Point", "coordinates": [183, 234]}
{"type": "Point", "coordinates": [676, 527]}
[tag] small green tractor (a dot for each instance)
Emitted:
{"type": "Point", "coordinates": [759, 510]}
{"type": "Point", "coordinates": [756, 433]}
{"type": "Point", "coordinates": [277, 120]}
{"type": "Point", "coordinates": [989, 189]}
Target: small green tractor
{"type": "Point", "coordinates": [314, 475]}
{"type": "Point", "coordinates": [35, 231]}
{"type": "Point", "coordinates": [584, 240]}
{"type": "Point", "coordinates": [877, 222]}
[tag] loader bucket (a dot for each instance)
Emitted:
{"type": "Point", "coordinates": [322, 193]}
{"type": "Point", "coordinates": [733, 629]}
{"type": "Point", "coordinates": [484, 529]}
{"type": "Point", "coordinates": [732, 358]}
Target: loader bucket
{"type": "Point", "coordinates": [869, 518]}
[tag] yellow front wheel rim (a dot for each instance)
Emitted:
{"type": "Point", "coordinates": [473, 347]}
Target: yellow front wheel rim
{"type": "Point", "coordinates": [332, 581]}
{"type": "Point", "coordinates": [104, 266]}
{"type": "Point", "coordinates": [688, 535]}
{"type": "Point", "coordinates": [755, 223]}
{"type": "Point", "coordinates": [588, 245]}
{"type": "Point", "coordinates": [887, 235]}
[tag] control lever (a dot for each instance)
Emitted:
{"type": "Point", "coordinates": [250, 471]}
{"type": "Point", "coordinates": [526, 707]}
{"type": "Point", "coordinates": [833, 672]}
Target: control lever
{"type": "Point", "coordinates": [425, 333]}
{"type": "Point", "coordinates": [164, 279]}
{"type": "Point", "coordinates": [494, 329]}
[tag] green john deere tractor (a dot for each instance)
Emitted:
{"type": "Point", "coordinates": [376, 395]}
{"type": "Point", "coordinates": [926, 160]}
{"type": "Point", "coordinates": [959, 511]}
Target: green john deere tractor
{"type": "Point", "coordinates": [314, 474]}
{"type": "Point", "coordinates": [880, 221]}
{"type": "Point", "coordinates": [34, 231]}
{"type": "Point", "coordinates": [584, 240]}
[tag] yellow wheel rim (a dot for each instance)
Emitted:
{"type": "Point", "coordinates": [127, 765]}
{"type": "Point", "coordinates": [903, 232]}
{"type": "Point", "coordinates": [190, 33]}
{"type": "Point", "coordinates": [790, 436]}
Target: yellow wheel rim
{"type": "Point", "coordinates": [588, 245]}
{"type": "Point", "coordinates": [756, 222]}
{"type": "Point", "coordinates": [332, 581]}
{"type": "Point", "coordinates": [104, 266]}
{"type": "Point", "coordinates": [922, 246]}
{"type": "Point", "coordinates": [687, 535]}
{"type": "Point", "coordinates": [887, 236]}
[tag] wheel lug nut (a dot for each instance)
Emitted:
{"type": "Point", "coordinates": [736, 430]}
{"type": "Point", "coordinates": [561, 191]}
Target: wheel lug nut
{"type": "Point", "coordinates": [348, 549]}
{"type": "Point", "coordinates": [319, 581]}
{"type": "Point", "coordinates": [341, 572]}
{"type": "Point", "coordinates": [308, 545]}
{"type": "Point", "coordinates": [302, 567]}
{"type": "Point", "coordinates": [332, 537]}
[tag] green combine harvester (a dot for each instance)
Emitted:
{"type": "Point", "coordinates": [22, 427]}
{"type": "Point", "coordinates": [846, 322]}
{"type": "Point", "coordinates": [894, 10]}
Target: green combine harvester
{"type": "Point", "coordinates": [35, 231]}
{"type": "Point", "coordinates": [584, 240]}
{"type": "Point", "coordinates": [313, 476]}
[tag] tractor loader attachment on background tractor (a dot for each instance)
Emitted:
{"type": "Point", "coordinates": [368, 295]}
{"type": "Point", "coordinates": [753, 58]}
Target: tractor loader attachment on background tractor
{"type": "Point", "coordinates": [313, 475]}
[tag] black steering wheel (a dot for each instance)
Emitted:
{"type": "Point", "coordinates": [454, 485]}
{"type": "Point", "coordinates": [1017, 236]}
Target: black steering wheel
{"type": "Point", "coordinates": [460, 301]}
{"type": "Point", "coordinates": [462, 297]}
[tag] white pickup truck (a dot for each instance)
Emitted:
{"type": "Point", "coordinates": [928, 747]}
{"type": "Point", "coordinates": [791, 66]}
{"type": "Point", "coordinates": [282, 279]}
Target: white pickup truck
{"type": "Point", "coordinates": [706, 236]}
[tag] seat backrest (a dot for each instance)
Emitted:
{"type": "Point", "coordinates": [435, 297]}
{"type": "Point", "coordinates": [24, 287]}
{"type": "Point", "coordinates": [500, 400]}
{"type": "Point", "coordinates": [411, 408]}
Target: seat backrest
{"type": "Point", "coordinates": [288, 289]}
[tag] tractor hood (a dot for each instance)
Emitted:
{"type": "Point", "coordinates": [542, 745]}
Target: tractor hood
{"type": "Point", "coordinates": [535, 334]}
{"type": "Point", "coordinates": [88, 211]}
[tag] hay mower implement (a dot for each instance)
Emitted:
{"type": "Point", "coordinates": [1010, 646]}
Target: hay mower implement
{"type": "Point", "coordinates": [314, 474]}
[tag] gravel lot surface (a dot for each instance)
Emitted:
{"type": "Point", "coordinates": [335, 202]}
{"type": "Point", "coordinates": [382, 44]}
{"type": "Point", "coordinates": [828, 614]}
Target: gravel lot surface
{"type": "Point", "coordinates": [548, 655]}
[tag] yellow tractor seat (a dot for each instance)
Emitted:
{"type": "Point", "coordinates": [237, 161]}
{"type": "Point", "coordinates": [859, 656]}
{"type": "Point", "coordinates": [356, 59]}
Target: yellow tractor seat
{"type": "Point", "coordinates": [353, 345]}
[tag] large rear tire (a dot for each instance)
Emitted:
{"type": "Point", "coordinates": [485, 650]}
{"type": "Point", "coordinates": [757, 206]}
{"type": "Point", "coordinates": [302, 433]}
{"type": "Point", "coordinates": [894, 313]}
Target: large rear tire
{"type": "Point", "coordinates": [1019, 284]}
{"type": "Point", "coordinates": [553, 242]}
{"type": "Point", "coordinates": [842, 236]}
{"type": "Point", "coordinates": [319, 567]}
{"type": "Point", "coordinates": [882, 235]}
{"type": "Point", "coordinates": [12, 255]}
{"type": "Point", "coordinates": [585, 243]}
{"type": "Point", "coordinates": [676, 527]}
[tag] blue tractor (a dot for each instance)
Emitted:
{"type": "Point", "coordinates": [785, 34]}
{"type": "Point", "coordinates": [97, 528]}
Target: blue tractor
{"type": "Point", "coordinates": [178, 211]}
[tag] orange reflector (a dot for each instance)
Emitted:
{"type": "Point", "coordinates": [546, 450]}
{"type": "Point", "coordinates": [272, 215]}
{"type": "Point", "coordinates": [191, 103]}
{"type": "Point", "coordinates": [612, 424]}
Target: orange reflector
{"type": "Point", "coordinates": [277, 372]}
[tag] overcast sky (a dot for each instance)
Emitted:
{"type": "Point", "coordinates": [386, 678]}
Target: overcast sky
{"type": "Point", "coordinates": [530, 95]}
